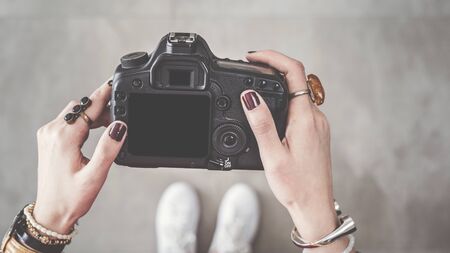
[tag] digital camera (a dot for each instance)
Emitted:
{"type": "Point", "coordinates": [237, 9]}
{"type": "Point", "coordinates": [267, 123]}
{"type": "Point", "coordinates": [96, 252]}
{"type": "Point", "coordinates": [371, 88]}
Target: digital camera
{"type": "Point", "coordinates": [182, 106]}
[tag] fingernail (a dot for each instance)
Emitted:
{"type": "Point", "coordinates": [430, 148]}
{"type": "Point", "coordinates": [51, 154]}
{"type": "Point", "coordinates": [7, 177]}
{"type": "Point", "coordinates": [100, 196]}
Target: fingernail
{"type": "Point", "coordinates": [117, 131]}
{"type": "Point", "coordinates": [110, 82]}
{"type": "Point", "coordinates": [251, 100]}
{"type": "Point", "coordinates": [251, 52]}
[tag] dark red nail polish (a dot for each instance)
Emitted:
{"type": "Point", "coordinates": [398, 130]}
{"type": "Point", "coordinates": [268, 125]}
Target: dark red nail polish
{"type": "Point", "coordinates": [117, 131]}
{"type": "Point", "coordinates": [110, 82]}
{"type": "Point", "coordinates": [251, 52]}
{"type": "Point", "coordinates": [251, 100]}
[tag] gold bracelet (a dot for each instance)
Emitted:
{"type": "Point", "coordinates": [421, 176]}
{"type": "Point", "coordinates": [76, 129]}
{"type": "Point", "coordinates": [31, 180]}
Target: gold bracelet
{"type": "Point", "coordinates": [13, 246]}
{"type": "Point", "coordinates": [45, 239]}
{"type": "Point", "coordinates": [28, 211]}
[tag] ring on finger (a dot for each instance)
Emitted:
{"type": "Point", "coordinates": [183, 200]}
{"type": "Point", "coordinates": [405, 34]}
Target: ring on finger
{"type": "Point", "coordinates": [86, 118]}
{"type": "Point", "coordinates": [315, 90]}
{"type": "Point", "coordinates": [299, 93]}
{"type": "Point", "coordinates": [78, 110]}
{"type": "Point", "coordinates": [71, 117]}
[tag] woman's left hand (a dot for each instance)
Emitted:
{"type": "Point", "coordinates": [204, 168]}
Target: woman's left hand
{"type": "Point", "coordinates": [298, 167]}
{"type": "Point", "coordinates": [68, 182]}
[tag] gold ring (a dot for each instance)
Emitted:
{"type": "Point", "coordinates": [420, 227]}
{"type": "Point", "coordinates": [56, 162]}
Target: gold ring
{"type": "Point", "coordinates": [86, 118]}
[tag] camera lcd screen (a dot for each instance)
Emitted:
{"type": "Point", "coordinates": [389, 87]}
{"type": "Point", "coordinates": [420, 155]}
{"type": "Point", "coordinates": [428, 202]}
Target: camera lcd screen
{"type": "Point", "coordinates": [180, 77]}
{"type": "Point", "coordinates": [168, 125]}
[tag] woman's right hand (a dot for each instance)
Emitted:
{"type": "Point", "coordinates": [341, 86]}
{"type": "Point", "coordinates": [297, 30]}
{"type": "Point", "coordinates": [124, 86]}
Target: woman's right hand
{"type": "Point", "coordinates": [69, 182]}
{"type": "Point", "coordinates": [298, 168]}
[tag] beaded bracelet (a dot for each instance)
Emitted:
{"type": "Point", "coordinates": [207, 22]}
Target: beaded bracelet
{"type": "Point", "coordinates": [28, 210]}
{"type": "Point", "coordinates": [45, 239]}
{"type": "Point", "coordinates": [19, 232]}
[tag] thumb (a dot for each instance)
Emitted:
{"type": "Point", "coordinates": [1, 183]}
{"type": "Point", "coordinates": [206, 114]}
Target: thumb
{"type": "Point", "coordinates": [107, 148]}
{"type": "Point", "coordinates": [260, 119]}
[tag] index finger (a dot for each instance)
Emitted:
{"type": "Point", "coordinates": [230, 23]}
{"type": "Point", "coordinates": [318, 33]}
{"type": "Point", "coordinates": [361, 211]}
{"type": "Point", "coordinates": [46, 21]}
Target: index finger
{"type": "Point", "coordinates": [99, 99]}
{"type": "Point", "coordinates": [293, 70]}
{"type": "Point", "coordinates": [101, 96]}
{"type": "Point", "coordinates": [79, 130]}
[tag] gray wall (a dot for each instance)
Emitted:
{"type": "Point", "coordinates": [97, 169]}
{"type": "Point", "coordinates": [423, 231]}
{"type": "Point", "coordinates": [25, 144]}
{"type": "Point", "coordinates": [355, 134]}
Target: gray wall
{"type": "Point", "coordinates": [385, 66]}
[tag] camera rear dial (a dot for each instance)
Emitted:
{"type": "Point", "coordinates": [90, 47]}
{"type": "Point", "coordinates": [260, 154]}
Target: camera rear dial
{"type": "Point", "coordinates": [229, 139]}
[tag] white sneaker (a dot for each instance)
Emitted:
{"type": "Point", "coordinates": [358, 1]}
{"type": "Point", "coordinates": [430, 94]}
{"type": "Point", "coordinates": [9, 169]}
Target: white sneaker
{"type": "Point", "coordinates": [177, 219]}
{"type": "Point", "coordinates": [237, 221]}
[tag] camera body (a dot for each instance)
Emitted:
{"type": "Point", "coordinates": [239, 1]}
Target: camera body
{"type": "Point", "coordinates": [182, 106]}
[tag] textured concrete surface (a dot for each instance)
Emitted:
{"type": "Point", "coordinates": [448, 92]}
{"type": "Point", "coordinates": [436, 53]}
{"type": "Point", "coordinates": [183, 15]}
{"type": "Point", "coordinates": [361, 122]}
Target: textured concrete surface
{"type": "Point", "coordinates": [385, 66]}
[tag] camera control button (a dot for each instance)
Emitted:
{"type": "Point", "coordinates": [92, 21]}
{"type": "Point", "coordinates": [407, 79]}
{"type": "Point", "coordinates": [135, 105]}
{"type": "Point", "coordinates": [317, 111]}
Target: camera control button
{"type": "Point", "coordinates": [262, 84]}
{"type": "Point", "coordinates": [229, 139]}
{"type": "Point", "coordinates": [119, 110]}
{"type": "Point", "coordinates": [223, 103]}
{"type": "Point", "coordinates": [248, 81]}
{"type": "Point", "coordinates": [134, 60]}
{"type": "Point", "coordinates": [120, 95]}
{"type": "Point", "coordinates": [137, 83]}
{"type": "Point", "coordinates": [276, 86]}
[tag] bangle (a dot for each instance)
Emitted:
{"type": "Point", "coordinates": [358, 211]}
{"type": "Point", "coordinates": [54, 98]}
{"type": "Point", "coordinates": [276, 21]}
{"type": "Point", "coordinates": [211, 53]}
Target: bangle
{"type": "Point", "coordinates": [28, 211]}
{"type": "Point", "coordinates": [346, 227]}
{"type": "Point", "coordinates": [351, 244]}
{"type": "Point", "coordinates": [20, 233]}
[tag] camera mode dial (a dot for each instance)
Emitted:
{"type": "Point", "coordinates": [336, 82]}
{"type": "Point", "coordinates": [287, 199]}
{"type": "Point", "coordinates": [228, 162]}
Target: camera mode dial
{"type": "Point", "coordinates": [134, 60]}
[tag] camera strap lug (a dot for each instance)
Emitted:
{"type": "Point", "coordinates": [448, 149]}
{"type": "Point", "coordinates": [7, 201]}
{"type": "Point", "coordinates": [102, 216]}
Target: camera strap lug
{"type": "Point", "coordinates": [220, 164]}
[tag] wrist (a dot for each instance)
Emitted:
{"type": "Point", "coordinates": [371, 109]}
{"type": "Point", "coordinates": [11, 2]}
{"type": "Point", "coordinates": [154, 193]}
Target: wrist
{"type": "Point", "coordinates": [314, 223]}
{"type": "Point", "coordinates": [53, 219]}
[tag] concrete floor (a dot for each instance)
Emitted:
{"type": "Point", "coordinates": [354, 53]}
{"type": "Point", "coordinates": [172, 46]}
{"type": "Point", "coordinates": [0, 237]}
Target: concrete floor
{"type": "Point", "coordinates": [385, 66]}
